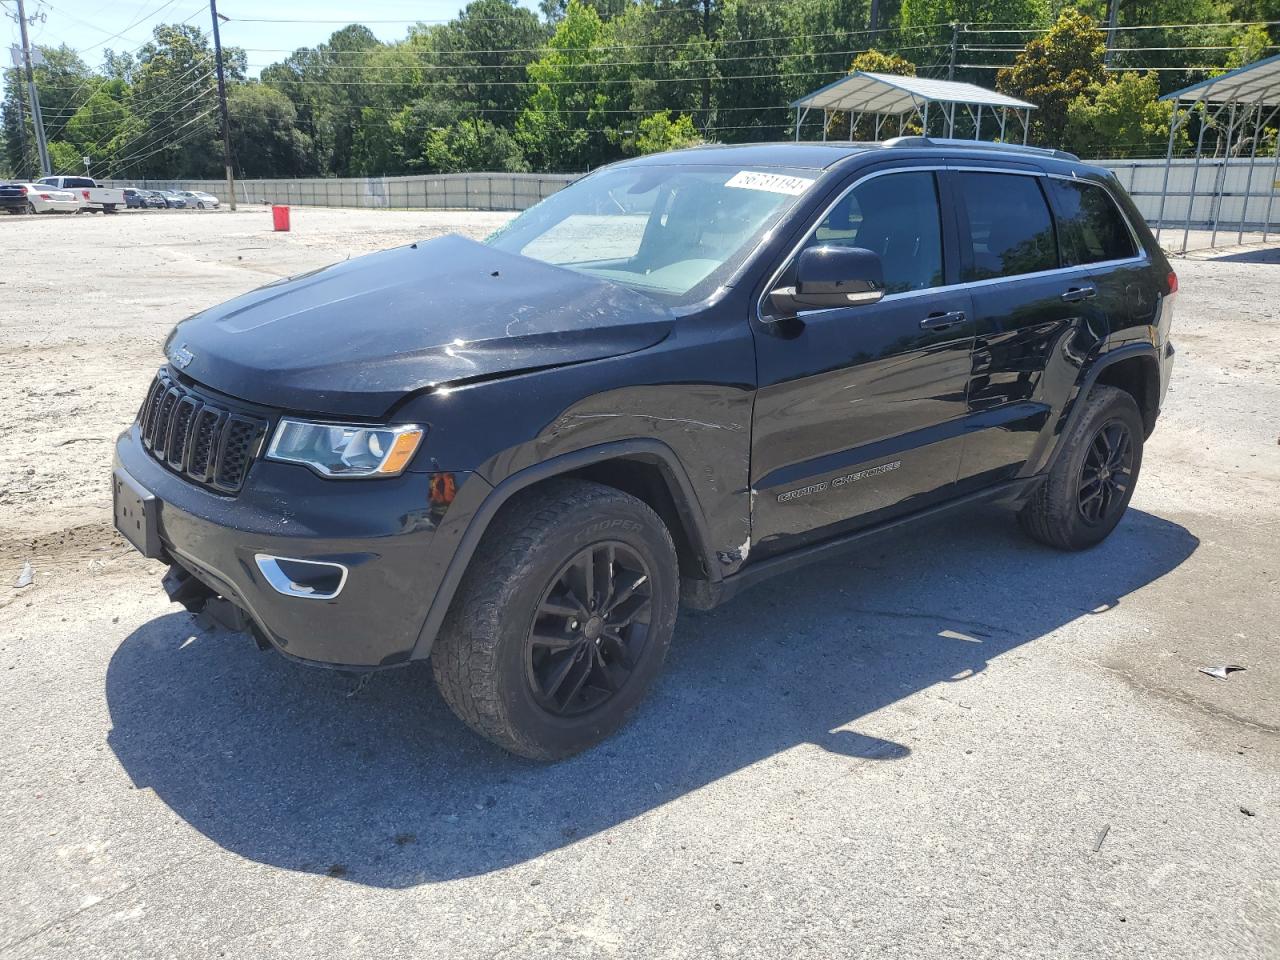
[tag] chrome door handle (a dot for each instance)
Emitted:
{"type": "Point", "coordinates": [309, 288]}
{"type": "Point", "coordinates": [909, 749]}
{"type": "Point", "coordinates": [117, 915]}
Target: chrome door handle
{"type": "Point", "coordinates": [1080, 293]}
{"type": "Point", "coordinates": [940, 321]}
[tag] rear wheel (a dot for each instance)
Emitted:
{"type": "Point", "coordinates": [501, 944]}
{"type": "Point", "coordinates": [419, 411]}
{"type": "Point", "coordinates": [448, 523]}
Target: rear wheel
{"type": "Point", "coordinates": [1089, 487]}
{"type": "Point", "coordinates": [562, 620]}
{"type": "Point", "coordinates": [31, 207]}
{"type": "Point", "coordinates": [200, 205]}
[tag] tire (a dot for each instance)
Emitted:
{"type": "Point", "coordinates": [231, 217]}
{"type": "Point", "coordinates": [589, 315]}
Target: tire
{"type": "Point", "coordinates": [489, 668]}
{"type": "Point", "coordinates": [31, 208]}
{"type": "Point", "coordinates": [200, 206]}
{"type": "Point", "coordinates": [1089, 487]}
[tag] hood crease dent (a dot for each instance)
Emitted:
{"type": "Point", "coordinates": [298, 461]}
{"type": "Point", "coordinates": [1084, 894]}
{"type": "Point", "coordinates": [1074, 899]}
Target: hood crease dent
{"type": "Point", "coordinates": [355, 337]}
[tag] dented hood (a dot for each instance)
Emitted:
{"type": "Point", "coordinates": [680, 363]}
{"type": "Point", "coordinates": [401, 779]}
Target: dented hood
{"type": "Point", "coordinates": [355, 337]}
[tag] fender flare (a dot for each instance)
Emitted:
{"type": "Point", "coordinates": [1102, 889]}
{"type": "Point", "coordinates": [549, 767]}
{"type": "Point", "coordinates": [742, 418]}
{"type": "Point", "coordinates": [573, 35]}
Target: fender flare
{"type": "Point", "coordinates": [1085, 384]}
{"type": "Point", "coordinates": [680, 488]}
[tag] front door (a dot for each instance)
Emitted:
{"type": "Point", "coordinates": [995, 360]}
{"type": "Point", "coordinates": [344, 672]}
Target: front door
{"type": "Point", "coordinates": [859, 415]}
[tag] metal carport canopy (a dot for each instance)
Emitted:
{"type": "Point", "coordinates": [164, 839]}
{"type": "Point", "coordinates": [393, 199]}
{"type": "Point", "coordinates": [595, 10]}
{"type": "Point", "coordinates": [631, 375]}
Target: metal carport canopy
{"type": "Point", "coordinates": [1230, 103]}
{"type": "Point", "coordinates": [1256, 83]}
{"type": "Point", "coordinates": [887, 94]}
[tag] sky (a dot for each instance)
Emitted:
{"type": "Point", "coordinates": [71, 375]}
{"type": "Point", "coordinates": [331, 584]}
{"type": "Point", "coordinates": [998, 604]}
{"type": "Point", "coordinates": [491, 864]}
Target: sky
{"type": "Point", "coordinates": [91, 26]}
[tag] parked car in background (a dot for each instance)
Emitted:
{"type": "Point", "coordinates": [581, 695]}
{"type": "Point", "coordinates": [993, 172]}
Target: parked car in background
{"type": "Point", "coordinates": [134, 199]}
{"type": "Point", "coordinates": [172, 200]}
{"type": "Point", "coordinates": [152, 199]}
{"type": "Point", "coordinates": [42, 199]}
{"type": "Point", "coordinates": [199, 199]}
{"type": "Point", "coordinates": [13, 198]}
{"type": "Point", "coordinates": [89, 195]}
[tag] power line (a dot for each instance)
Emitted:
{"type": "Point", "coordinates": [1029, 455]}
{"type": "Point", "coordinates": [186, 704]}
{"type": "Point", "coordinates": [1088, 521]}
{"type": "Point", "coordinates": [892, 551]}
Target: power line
{"type": "Point", "coordinates": [591, 65]}
{"type": "Point", "coordinates": [620, 46]}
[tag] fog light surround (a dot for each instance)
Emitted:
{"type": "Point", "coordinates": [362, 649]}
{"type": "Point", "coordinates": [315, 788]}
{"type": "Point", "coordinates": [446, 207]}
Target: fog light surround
{"type": "Point", "coordinates": [308, 579]}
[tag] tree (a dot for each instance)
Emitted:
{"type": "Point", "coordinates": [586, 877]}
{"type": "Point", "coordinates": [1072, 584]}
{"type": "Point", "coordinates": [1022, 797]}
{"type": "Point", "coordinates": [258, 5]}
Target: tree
{"type": "Point", "coordinates": [472, 145]}
{"type": "Point", "coordinates": [660, 131]}
{"type": "Point", "coordinates": [1055, 69]}
{"type": "Point", "coordinates": [928, 15]}
{"type": "Point", "coordinates": [1121, 117]}
{"type": "Point", "coordinates": [484, 53]}
{"type": "Point", "coordinates": [561, 127]}
{"type": "Point", "coordinates": [265, 134]}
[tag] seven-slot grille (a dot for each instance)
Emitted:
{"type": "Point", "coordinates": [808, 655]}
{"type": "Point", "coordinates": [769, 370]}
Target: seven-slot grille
{"type": "Point", "coordinates": [208, 443]}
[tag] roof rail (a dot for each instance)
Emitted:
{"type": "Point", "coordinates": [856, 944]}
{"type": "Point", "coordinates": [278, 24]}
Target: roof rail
{"type": "Point", "coordinates": [918, 141]}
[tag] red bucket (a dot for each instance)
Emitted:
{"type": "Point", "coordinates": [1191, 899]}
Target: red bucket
{"type": "Point", "coordinates": [280, 218]}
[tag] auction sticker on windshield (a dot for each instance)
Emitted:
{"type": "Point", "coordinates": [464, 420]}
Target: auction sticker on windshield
{"type": "Point", "coordinates": [772, 182]}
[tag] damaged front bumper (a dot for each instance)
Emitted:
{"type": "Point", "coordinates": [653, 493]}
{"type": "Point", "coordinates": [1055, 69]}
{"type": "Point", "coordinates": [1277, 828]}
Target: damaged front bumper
{"type": "Point", "coordinates": [337, 573]}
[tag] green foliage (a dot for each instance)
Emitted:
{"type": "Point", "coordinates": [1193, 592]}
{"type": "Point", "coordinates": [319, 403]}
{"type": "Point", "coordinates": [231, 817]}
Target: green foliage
{"type": "Point", "coordinates": [1054, 70]}
{"type": "Point", "coordinates": [264, 131]}
{"type": "Point", "coordinates": [561, 128]}
{"type": "Point", "coordinates": [658, 132]}
{"type": "Point", "coordinates": [927, 14]}
{"type": "Point", "coordinates": [1121, 117]}
{"type": "Point", "coordinates": [472, 145]}
{"type": "Point", "coordinates": [1247, 46]}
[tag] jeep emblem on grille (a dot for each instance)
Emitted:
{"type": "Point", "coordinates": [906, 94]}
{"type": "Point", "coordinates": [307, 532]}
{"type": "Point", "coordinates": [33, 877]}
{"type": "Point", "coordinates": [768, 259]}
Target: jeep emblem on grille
{"type": "Point", "coordinates": [181, 357]}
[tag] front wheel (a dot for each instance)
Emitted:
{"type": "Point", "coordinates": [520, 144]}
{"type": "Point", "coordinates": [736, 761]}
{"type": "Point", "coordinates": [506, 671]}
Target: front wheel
{"type": "Point", "coordinates": [562, 620]}
{"type": "Point", "coordinates": [1089, 487]}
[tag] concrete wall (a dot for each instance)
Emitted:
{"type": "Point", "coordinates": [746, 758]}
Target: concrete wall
{"type": "Point", "coordinates": [452, 191]}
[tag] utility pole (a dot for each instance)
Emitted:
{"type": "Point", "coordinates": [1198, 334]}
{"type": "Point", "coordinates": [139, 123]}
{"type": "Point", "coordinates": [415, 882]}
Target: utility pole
{"type": "Point", "coordinates": [37, 120]}
{"type": "Point", "coordinates": [1112, 18]}
{"type": "Point", "coordinates": [222, 105]}
{"type": "Point", "coordinates": [873, 21]}
{"type": "Point", "coordinates": [951, 60]}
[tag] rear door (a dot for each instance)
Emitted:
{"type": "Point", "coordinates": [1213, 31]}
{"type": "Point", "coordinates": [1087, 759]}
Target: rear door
{"type": "Point", "coordinates": [1033, 314]}
{"type": "Point", "coordinates": [858, 415]}
{"type": "Point", "coordinates": [1095, 234]}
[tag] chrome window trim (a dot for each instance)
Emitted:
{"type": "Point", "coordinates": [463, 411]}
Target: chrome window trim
{"type": "Point", "coordinates": [279, 581]}
{"type": "Point", "coordinates": [1140, 257]}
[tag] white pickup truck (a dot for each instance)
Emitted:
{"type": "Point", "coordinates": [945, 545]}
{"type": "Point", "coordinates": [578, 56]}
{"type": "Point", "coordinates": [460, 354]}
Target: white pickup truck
{"type": "Point", "coordinates": [89, 195]}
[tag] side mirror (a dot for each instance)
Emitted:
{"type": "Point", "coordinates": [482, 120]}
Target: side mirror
{"type": "Point", "coordinates": [832, 277]}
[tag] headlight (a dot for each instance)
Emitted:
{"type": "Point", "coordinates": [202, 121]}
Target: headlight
{"type": "Point", "coordinates": [345, 450]}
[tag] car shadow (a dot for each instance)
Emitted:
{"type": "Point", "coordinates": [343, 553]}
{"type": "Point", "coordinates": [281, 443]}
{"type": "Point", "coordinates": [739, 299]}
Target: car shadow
{"type": "Point", "coordinates": [296, 767]}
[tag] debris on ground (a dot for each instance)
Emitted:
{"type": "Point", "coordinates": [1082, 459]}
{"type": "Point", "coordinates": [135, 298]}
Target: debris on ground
{"type": "Point", "coordinates": [1102, 835]}
{"type": "Point", "coordinates": [26, 577]}
{"type": "Point", "coordinates": [1220, 673]}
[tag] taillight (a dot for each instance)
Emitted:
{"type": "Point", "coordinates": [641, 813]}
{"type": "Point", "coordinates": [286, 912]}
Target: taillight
{"type": "Point", "coordinates": [1173, 283]}
{"type": "Point", "coordinates": [86, 194]}
{"type": "Point", "coordinates": [45, 196]}
{"type": "Point", "coordinates": [24, 190]}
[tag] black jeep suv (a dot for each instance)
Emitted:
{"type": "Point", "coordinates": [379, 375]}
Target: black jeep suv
{"type": "Point", "coordinates": [677, 376]}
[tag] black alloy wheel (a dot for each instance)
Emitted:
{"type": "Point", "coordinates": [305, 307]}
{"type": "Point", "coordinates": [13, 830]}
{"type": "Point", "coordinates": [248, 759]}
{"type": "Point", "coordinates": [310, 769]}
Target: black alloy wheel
{"type": "Point", "coordinates": [1106, 474]}
{"type": "Point", "coordinates": [590, 629]}
{"type": "Point", "coordinates": [562, 620]}
{"type": "Point", "coordinates": [1087, 489]}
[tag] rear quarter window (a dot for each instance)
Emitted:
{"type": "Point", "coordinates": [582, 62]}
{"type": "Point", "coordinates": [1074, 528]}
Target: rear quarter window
{"type": "Point", "coordinates": [1093, 229]}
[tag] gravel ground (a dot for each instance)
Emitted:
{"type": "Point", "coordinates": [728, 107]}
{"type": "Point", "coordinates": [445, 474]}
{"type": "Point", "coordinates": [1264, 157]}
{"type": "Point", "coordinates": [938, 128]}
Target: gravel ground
{"type": "Point", "coordinates": [958, 744]}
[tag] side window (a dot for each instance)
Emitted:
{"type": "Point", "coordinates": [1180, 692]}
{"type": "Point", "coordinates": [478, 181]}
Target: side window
{"type": "Point", "coordinates": [898, 217]}
{"type": "Point", "coordinates": [1093, 230]}
{"type": "Point", "coordinates": [1010, 229]}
